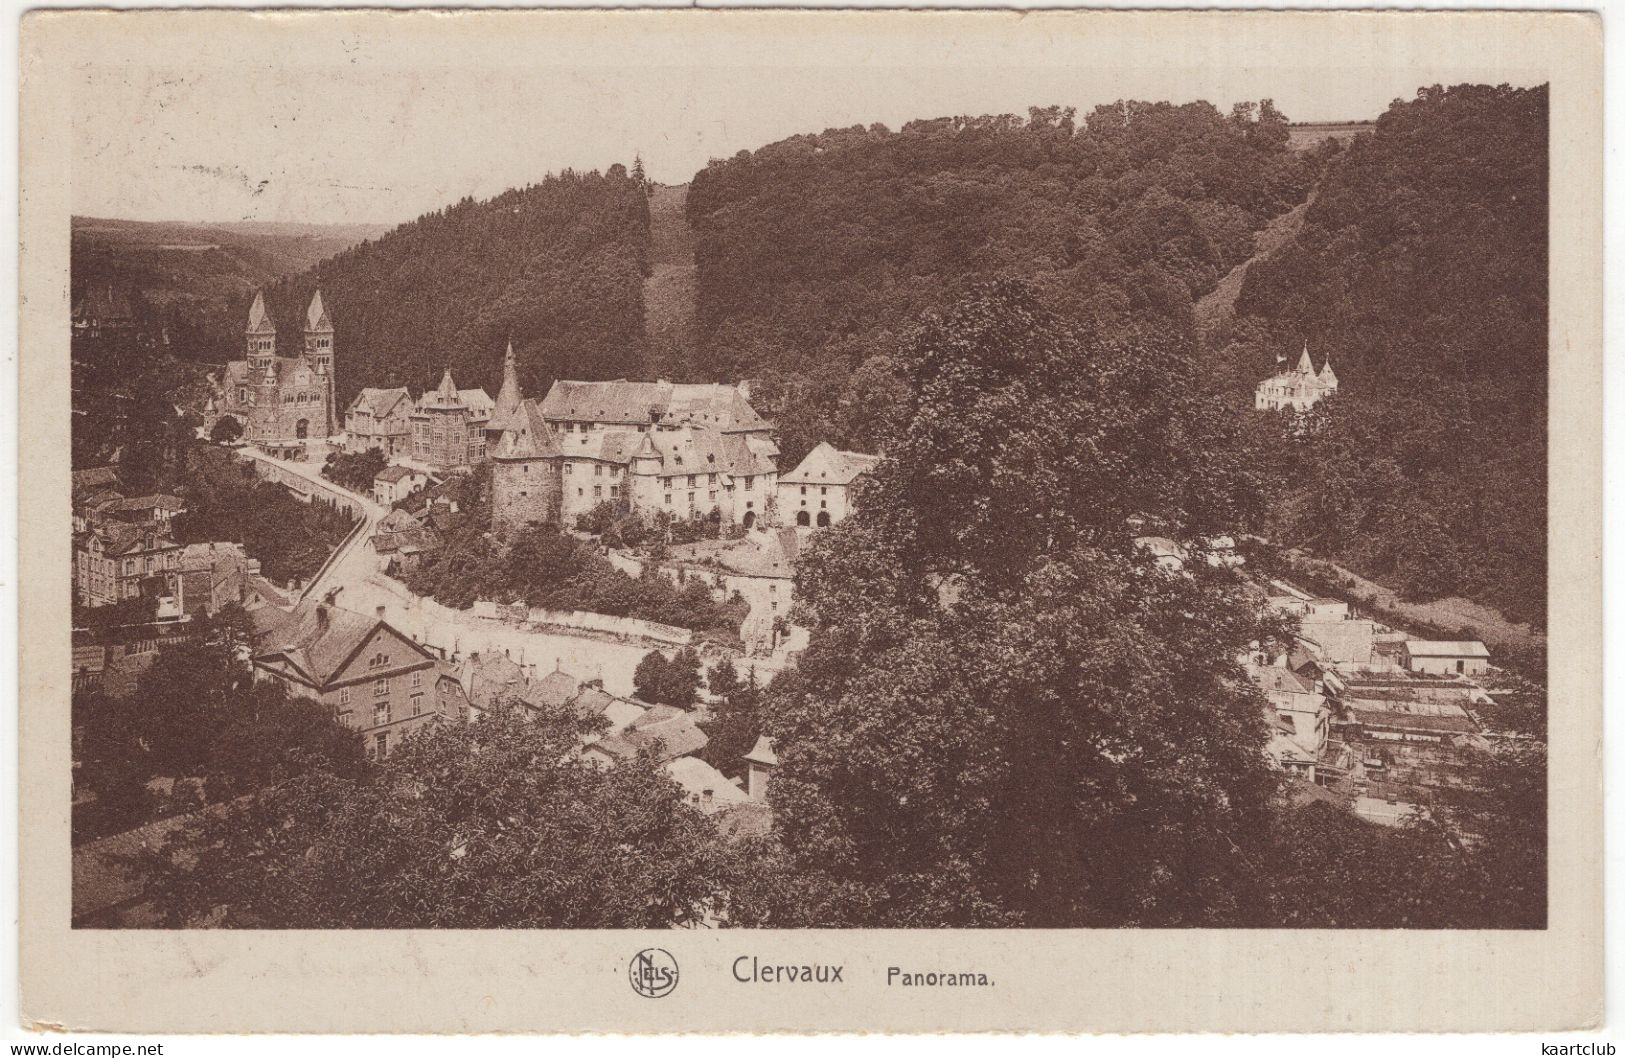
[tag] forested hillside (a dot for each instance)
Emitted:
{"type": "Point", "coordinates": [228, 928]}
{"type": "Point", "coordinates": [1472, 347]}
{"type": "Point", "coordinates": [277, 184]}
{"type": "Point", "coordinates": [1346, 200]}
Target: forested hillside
{"type": "Point", "coordinates": [558, 266]}
{"type": "Point", "coordinates": [815, 253]}
{"type": "Point", "coordinates": [187, 280]}
{"type": "Point", "coordinates": [1421, 270]}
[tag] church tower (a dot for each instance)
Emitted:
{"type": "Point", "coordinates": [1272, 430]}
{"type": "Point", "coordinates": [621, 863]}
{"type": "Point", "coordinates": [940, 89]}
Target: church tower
{"type": "Point", "coordinates": [319, 351]}
{"type": "Point", "coordinates": [261, 336]}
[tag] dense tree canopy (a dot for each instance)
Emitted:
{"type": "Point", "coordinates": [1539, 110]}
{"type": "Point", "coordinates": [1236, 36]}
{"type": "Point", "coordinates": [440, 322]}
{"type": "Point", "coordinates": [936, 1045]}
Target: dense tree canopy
{"type": "Point", "coordinates": [815, 252]}
{"type": "Point", "coordinates": [1421, 270]}
{"type": "Point", "coordinates": [1006, 714]}
{"type": "Point", "coordinates": [556, 267]}
{"type": "Point", "coordinates": [496, 824]}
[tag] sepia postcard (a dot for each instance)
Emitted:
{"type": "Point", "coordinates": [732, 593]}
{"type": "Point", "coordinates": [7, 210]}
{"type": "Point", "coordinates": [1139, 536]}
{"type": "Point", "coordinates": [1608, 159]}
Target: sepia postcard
{"type": "Point", "coordinates": [735, 521]}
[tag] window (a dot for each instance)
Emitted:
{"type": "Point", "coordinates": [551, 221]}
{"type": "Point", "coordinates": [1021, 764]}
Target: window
{"type": "Point", "coordinates": [691, 501]}
{"type": "Point", "coordinates": [417, 704]}
{"type": "Point", "coordinates": [417, 678]}
{"type": "Point", "coordinates": [668, 499]}
{"type": "Point", "coordinates": [614, 491]}
{"type": "Point", "coordinates": [597, 491]}
{"type": "Point", "coordinates": [598, 470]}
{"type": "Point", "coordinates": [380, 687]}
{"type": "Point", "coordinates": [713, 495]}
{"type": "Point", "coordinates": [383, 744]}
{"type": "Point", "coordinates": [567, 469]}
{"type": "Point", "coordinates": [691, 481]}
{"type": "Point", "coordinates": [713, 481]}
{"type": "Point", "coordinates": [823, 490]}
{"type": "Point", "coordinates": [580, 491]}
{"type": "Point", "coordinates": [344, 696]}
{"type": "Point", "coordinates": [380, 714]}
{"type": "Point", "coordinates": [750, 482]}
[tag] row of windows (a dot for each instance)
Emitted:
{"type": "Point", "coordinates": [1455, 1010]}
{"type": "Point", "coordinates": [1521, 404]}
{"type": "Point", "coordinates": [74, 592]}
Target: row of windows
{"type": "Point", "coordinates": [597, 470]}
{"type": "Point", "coordinates": [823, 490]}
{"type": "Point", "coordinates": [380, 686]}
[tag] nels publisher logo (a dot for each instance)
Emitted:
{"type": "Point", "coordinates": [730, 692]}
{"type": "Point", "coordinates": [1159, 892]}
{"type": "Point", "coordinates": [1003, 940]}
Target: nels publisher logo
{"type": "Point", "coordinates": [653, 973]}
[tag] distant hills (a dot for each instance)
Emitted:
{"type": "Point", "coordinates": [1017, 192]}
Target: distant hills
{"type": "Point", "coordinates": [189, 278]}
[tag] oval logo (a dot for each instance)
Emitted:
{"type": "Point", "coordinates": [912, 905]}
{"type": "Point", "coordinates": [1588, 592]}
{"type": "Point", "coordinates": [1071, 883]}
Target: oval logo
{"type": "Point", "coordinates": [653, 973]}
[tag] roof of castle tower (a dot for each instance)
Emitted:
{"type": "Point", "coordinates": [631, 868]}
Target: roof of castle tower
{"type": "Point", "coordinates": [1305, 365]}
{"type": "Point", "coordinates": [316, 318]}
{"type": "Point", "coordinates": [1327, 376]}
{"type": "Point", "coordinates": [259, 321]}
{"type": "Point", "coordinates": [528, 438]}
{"type": "Point", "coordinates": [509, 396]}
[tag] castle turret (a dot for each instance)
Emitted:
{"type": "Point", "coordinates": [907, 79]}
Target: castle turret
{"type": "Point", "coordinates": [525, 484]}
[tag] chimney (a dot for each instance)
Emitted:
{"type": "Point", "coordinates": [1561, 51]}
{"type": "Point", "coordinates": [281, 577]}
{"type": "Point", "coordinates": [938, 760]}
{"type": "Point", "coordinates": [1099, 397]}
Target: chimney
{"type": "Point", "coordinates": [380, 613]}
{"type": "Point", "coordinates": [322, 617]}
{"type": "Point", "coordinates": [705, 799]}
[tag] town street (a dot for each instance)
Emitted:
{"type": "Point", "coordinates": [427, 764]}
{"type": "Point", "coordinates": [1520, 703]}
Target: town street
{"type": "Point", "coordinates": [359, 585]}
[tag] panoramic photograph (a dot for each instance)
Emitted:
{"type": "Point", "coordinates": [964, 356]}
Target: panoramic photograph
{"type": "Point", "coordinates": [606, 499]}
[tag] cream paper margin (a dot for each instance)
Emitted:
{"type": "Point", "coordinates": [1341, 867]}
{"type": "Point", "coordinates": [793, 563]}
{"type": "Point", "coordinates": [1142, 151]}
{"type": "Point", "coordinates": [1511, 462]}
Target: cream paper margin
{"type": "Point", "coordinates": [1046, 980]}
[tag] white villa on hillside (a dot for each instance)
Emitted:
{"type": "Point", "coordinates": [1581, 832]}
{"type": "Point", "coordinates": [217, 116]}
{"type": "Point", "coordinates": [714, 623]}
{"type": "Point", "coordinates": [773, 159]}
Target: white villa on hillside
{"type": "Point", "coordinates": [1299, 389]}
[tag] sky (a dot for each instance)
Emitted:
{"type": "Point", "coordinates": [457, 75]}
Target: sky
{"type": "Point", "coordinates": [382, 130]}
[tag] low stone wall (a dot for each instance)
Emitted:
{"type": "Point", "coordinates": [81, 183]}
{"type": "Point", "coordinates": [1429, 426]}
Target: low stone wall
{"type": "Point", "coordinates": [584, 621]}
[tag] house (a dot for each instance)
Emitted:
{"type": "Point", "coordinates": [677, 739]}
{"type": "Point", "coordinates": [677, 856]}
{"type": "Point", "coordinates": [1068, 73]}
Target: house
{"type": "Point", "coordinates": [117, 561]}
{"type": "Point", "coordinates": [703, 786]}
{"type": "Point", "coordinates": [213, 574]}
{"type": "Point", "coordinates": [394, 483]}
{"type": "Point", "coordinates": [1452, 658]}
{"type": "Point", "coordinates": [468, 688]}
{"type": "Point", "coordinates": [103, 311]}
{"type": "Point", "coordinates": [375, 679]}
{"type": "Point", "coordinates": [1299, 716]}
{"type": "Point", "coordinates": [818, 492]}
{"type": "Point", "coordinates": [379, 419]}
{"type": "Point", "coordinates": [448, 425]}
{"type": "Point", "coordinates": [687, 450]}
{"type": "Point", "coordinates": [158, 509]}
{"type": "Point", "coordinates": [1298, 389]}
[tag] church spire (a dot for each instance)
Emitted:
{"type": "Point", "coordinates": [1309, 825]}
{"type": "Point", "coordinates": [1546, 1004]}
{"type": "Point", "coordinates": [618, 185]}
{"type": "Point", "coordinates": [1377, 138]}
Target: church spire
{"type": "Point", "coordinates": [259, 321]}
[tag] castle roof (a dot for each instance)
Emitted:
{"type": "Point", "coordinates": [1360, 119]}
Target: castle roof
{"type": "Point", "coordinates": [445, 395]}
{"type": "Point", "coordinates": [828, 465]}
{"type": "Point", "coordinates": [259, 321]}
{"type": "Point", "coordinates": [1305, 366]}
{"type": "Point", "coordinates": [1327, 377]}
{"type": "Point", "coordinates": [316, 317]}
{"type": "Point", "coordinates": [528, 438]}
{"type": "Point", "coordinates": [718, 406]}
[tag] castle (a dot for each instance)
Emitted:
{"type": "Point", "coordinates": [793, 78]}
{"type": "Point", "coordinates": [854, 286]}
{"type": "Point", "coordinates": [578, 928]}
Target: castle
{"type": "Point", "coordinates": [1299, 389]}
{"type": "Point", "coordinates": [645, 446]}
{"type": "Point", "coordinates": [280, 401]}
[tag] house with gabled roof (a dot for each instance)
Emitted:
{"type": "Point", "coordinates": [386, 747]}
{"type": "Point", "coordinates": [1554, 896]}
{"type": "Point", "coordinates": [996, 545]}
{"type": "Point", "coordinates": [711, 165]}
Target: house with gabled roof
{"type": "Point", "coordinates": [373, 676]}
{"type": "Point", "coordinates": [381, 419]}
{"type": "Point", "coordinates": [448, 425]}
{"type": "Point", "coordinates": [818, 492]}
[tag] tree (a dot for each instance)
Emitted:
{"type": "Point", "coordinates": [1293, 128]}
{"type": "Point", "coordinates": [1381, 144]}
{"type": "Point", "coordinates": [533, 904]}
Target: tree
{"type": "Point", "coordinates": [499, 824]}
{"type": "Point", "coordinates": [649, 678]}
{"type": "Point", "coordinates": [226, 430]}
{"type": "Point", "coordinates": [355, 470]}
{"type": "Point", "coordinates": [1006, 713]}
